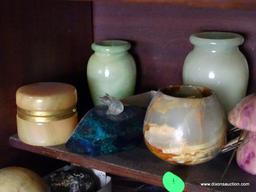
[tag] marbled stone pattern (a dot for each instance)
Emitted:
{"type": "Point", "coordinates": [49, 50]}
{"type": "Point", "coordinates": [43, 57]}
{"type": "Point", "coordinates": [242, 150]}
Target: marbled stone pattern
{"type": "Point", "coordinates": [244, 113]}
{"type": "Point", "coordinates": [184, 126]}
{"type": "Point", "coordinates": [73, 179]}
{"type": "Point", "coordinates": [246, 154]}
{"type": "Point", "coordinates": [98, 133]}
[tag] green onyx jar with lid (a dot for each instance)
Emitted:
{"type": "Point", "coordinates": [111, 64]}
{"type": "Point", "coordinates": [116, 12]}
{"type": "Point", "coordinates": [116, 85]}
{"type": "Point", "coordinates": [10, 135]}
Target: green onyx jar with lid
{"type": "Point", "coordinates": [111, 70]}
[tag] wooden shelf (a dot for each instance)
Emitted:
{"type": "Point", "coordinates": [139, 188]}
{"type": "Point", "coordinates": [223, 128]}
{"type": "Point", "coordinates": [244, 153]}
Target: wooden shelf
{"type": "Point", "coordinates": [139, 164]}
{"type": "Point", "coordinates": [219, 4]}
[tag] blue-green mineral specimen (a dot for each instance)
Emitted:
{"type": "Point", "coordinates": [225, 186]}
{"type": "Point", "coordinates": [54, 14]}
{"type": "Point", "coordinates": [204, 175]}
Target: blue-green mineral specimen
{"type": "Point", "coordinates": [100, 132]}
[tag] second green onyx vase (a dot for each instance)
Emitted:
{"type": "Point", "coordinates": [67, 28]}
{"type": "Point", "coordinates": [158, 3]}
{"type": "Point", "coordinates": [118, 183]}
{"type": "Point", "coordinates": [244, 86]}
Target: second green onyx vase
{"type": "Point", "coordinates": [111, 70]}
{"type": "Point", "coordinates": [216, 62]}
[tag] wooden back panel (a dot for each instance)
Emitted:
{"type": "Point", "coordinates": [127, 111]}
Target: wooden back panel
{"type": "Point", "coordinates": [40, 41]}
{"type": "Point", "coordinates": [160, 35]}
{"type": "Point", "coordinates": [50, 41]}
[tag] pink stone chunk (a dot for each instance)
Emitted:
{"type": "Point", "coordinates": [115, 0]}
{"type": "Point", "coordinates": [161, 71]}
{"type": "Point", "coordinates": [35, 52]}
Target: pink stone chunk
{"type": "Point", "coordinates": [246, 154]}
{"type": "Point", "coordinates": [243, 115]}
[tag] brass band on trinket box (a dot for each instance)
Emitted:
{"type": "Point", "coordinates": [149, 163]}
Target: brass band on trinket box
{"type": "Point", "coordinates": [45, 116]}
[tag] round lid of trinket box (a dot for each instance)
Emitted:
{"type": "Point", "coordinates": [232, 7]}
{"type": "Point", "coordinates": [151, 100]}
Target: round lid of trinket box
{"type": "Point", "coordinates": [46, 96]}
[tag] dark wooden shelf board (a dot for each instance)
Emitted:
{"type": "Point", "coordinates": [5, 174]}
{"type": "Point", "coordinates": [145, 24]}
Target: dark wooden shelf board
{"type": "Point", "coordinates": [218, 4]}
{"type": "Point", "coordinates": [139, 164]}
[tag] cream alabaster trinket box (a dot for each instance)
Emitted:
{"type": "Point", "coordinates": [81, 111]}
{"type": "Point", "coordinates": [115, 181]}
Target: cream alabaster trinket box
{"type": "Point", "coordinates": [46, 113]}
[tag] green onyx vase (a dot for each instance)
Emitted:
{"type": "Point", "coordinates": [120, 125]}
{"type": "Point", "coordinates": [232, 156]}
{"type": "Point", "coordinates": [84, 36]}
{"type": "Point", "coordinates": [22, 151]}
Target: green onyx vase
{"type": "Point", "coordinates": [216, 62]}
{"type": "Point", "coordinates": [111, 70]}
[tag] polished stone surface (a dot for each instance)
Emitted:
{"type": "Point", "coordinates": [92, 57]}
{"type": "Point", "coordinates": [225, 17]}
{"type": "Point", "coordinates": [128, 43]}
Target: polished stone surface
{"type": "Point", "coordinates": [98, 133]}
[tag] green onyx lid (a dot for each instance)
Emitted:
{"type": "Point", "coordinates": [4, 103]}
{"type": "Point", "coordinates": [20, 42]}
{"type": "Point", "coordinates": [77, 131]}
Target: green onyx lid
{"type": "Point", "coordinates": [111, 46]}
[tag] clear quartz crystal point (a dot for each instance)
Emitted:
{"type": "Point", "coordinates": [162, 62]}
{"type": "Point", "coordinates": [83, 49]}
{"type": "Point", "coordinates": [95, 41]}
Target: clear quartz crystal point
{"type": "Point", "coordinates": [115, 107]}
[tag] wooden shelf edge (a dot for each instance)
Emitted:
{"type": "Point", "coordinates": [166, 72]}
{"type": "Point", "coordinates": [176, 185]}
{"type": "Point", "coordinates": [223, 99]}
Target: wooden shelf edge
{"type": "Point", "coordinates": [60, 153]}
{"type": "Point", "coordinates": [88, 162]}
{"type": "Point", "coordinates": [216, 4]}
